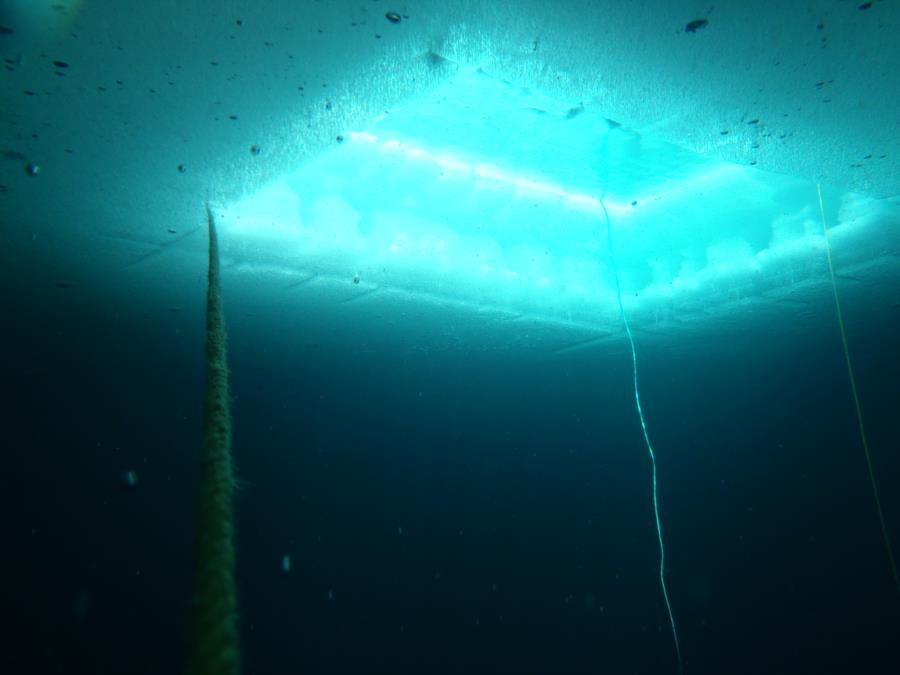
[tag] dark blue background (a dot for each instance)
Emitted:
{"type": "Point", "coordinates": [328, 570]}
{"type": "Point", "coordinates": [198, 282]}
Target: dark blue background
{"type": "Point", "coordinates": [520, 481]}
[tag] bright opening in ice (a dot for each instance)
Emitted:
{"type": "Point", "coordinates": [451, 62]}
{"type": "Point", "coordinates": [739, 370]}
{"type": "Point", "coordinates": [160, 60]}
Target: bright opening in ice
{"type": "Point", "coordinates": [488, 196]}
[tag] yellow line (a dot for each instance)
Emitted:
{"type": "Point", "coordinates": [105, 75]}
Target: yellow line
{"type": "Point", "coordinates": [859, 418]}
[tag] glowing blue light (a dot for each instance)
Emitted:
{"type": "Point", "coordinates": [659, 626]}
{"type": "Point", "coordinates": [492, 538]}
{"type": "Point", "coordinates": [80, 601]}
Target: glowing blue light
{"type": "Point", "coordinates": [487, 196]}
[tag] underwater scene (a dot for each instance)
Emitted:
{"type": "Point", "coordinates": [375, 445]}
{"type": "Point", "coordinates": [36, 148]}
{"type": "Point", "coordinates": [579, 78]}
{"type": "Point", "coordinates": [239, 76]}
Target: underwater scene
{"type": "Point", "coordinates": [361, 336]}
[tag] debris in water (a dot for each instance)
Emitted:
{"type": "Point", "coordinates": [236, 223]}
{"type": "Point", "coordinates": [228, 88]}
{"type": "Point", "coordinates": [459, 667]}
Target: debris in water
{"type": "Point", "coordinates": [696, 25]}
{"type": "Point", "coordinates": [128, 479]}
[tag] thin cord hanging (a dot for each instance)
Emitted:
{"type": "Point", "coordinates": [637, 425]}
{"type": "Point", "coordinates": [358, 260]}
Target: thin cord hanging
{"type": "Point", "coordinates": [637, 401]}
{"type": "Point", "coordinates": [859, 419]}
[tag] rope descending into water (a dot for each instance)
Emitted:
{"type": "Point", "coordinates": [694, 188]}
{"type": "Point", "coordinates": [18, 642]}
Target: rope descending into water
{"type": "Point", "coordinates": [640, 410]}
{"type": "Point", "coordinates": [859, 418]}
{"type": "Point", "coordinates": [215, 645]}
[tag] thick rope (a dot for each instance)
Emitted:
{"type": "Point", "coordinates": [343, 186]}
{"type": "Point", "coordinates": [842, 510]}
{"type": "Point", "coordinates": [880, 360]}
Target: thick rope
{"type": "Point", "coordinates": [215, 645]}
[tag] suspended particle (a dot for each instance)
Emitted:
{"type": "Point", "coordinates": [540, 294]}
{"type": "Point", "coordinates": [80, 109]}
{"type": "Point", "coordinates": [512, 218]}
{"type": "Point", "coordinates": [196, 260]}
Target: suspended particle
{"type": "Point", "coordinates": [393, 17]}
{"type": "Point", "coordinates": [695, 25]}
{"type": "Point", "coordinates": [32, 169]}
{"type": "Point", "coordinates": [182, 168]}
{"type": "Point", "coordinates": [128, 480]}
{"type": "Point", "coordinates": [286, 563]}
{"type": "Point", "coordinates": [254, 149]}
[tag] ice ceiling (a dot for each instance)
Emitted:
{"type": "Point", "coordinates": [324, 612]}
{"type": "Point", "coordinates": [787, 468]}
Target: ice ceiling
{"type": "Point", "coordinates": [487, 195]}
{"type": "Point", "coordinates": [452, 161]}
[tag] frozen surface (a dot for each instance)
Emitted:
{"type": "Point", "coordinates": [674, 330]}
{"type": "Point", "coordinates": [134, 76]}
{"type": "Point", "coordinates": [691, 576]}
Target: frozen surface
{"type": "Point", "coordinates": [156, 107]}
{"type": "Point", "coordinates": [486, 196]}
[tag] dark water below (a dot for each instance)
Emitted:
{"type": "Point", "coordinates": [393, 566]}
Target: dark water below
{"type": "Point", "coordinates": [453, 512]}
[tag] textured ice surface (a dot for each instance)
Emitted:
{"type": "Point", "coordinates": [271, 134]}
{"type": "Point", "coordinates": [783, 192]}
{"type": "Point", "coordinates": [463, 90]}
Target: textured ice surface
{"type": "Point", "coordinates": [111, 221]}
{"type": "Point", "coordinates": [487, 197]}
